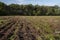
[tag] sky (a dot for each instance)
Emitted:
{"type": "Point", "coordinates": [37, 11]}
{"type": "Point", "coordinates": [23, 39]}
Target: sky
{"type": "Point", "coordinates": [34, 2]}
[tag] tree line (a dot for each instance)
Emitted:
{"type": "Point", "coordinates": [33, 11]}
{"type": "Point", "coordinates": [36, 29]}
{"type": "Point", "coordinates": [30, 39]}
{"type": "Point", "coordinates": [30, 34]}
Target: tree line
{"type": "Point", "coordinates": [29, 10]}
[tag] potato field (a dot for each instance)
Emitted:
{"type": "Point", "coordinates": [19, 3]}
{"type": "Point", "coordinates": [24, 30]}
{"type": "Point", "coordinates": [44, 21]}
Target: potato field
{"type": "Point", "coordinates": [29, 27]}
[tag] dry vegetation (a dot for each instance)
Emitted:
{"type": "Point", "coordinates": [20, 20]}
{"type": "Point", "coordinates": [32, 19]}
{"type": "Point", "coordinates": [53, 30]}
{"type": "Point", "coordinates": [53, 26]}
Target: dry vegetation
{"type": "Point", "coordinates": [29, 27]}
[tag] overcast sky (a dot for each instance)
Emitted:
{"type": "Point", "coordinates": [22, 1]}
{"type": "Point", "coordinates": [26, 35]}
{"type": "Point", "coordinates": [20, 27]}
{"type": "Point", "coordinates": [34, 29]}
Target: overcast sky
{"type": "Point", "coordinates": [34, 2]}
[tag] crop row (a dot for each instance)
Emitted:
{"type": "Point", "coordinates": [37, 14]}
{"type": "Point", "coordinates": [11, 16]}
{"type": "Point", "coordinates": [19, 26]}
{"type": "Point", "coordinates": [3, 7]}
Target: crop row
{"type": "Point", "coordinates": [7, 29]}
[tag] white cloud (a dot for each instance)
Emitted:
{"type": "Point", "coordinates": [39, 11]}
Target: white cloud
{"type": "Point", "coordinates": [26, 1]}
{"type": "Point", "coordinates": [20, 1]}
